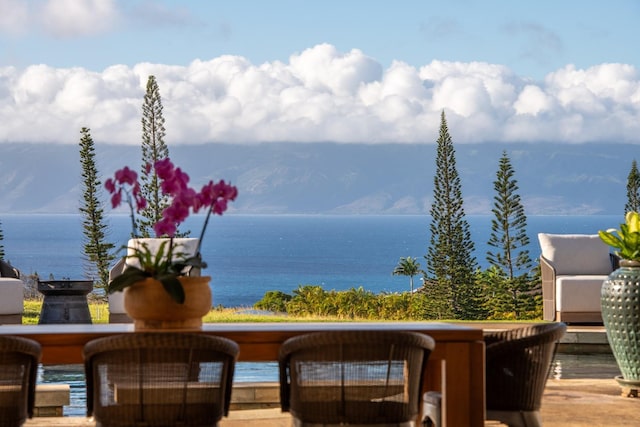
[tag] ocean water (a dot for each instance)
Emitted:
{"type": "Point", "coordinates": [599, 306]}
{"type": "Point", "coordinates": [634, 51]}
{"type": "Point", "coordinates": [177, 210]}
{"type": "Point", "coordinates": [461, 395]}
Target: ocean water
{"type": "Point", "coordinates": [248, 255]}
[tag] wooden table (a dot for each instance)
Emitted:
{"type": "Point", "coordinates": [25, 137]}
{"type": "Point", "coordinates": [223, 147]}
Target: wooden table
{"type": "Point", "coordinates": [455, 367]}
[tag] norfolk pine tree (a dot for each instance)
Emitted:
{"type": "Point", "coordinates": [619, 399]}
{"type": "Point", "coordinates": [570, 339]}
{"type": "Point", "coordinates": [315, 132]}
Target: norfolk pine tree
{"type": "Point", "coordinates": [153, 149]}
{"type": "Point", "coordinates": [450, 274]}
{"type": "Point", "coordinates": [509, 284]}
{"type": "Point", "coordinates": [1, 245]}
{"type": "Point", "coordinates": [633, 189]}
{"type": "Point", "coordinates": [98, 253]}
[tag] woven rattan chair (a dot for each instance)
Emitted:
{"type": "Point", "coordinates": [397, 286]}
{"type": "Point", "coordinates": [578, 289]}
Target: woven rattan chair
{"type": "Point", "coordinates": [370, 378]}
{"type": "Point", "coordinates": [19, 358]}
{"type": "Point", "coordinates": [518, 364]}
{"type": "Point", "coordinates": [159, 379]}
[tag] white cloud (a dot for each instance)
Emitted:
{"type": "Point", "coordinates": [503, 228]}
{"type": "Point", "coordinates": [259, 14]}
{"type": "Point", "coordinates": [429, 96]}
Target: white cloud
{"type": "Point", "coordinates": [73, 18]}
{"type": "Point", "coordinates": [14, 18]}
{"type": "Point", "coordinates": [532, 100]}
{"type": "Point", "coordinates": [59, 18]}
{"type": "Point", "coordinates": [466, 96]}
{"type": "Point", "coordinates": [322, 94]}
{"type": "Point", "coordinates": [324, 68]}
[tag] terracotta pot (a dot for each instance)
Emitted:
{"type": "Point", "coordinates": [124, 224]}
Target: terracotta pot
{"type": "Point", "coordinates": [151, 307]}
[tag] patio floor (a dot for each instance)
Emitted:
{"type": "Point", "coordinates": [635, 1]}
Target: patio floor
{"type": "Point", "coordinates": [566, 403]}
{"type": "Point", "coordinates": [586, 402]}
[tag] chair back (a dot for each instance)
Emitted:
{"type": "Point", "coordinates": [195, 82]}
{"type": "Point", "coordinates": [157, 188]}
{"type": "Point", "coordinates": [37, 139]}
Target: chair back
{"type": "Point", "coordinates": [570, 254]}
{"type": "Point", "coordinates": [358, 377]}
{"type": "Point", "coordinates": [19, 358]}
{"type": "Point", "coordinates": [517, 366]}
{"type": "Point", "coordinates": [159, 379]}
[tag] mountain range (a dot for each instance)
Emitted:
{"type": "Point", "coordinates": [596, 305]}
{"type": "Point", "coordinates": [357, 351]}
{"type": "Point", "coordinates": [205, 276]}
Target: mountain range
{"type": "Point", "coordinates": [330, 178]}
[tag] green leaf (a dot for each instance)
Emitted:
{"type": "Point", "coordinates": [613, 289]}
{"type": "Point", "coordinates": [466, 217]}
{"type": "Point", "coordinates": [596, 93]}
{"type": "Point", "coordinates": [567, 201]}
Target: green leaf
{"type": "Point", "coordinates": [128, 277]}
{"type": "Point", "coordinates": [610, 239]}
{"type": "Point", "coordinates": [633, 221]}
{"type": "Point", "coordinates": [172, 285]}
{"type": "Point", "coordinates": [627, 238]}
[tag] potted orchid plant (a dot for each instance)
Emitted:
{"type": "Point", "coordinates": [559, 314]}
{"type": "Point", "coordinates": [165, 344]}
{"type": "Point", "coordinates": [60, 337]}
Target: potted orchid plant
{"type": "Point", "coordinates": [164, 265]}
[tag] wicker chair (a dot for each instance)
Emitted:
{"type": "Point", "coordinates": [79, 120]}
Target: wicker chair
{"type": "Point", "coordinates": [159, 379]}
{"type": "Point", "coordinates": [517, 367]}
{"type": "Point", "coordinates": [19, 358]}
{"type": "Point", "coordinates": [353, 377]}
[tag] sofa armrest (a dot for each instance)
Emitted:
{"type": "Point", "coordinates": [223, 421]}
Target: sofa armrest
{"type": "Point", "coordinates": [11, 296]}
{"type": "Point", "coordinates": [548, 276]}
{"type": "Point", "coordinates": [7, 270]}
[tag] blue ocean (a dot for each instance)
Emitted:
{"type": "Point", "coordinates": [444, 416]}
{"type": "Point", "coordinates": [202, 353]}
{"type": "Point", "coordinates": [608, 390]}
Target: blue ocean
{"type": "Point", "coordinates": [248, 255]}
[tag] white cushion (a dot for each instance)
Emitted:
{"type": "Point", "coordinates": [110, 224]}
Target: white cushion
{"type": "Point", "coordinates": [579, 293]}
{"type": "Point", "coordinates": [576, 253]}
{"type": "Point", "coordinates": [11, 296]}
{"type": "Point", "coordinates": [116, 303]}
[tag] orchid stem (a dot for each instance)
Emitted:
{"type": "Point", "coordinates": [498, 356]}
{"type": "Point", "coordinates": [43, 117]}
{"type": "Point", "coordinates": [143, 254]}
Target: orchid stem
{"type": "Point", "coordinates": [134, 229]}
{"type": "Point", "coordinates": [204, 227]}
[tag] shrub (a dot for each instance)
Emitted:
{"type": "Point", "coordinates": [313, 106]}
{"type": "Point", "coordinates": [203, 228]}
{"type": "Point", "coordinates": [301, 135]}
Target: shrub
{"type": "Point", "coordinates": [275, 301]}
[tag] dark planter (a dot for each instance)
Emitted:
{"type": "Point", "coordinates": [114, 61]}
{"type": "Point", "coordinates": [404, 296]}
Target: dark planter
{"type": "Point", "coordinates": [65, 301]}
{"type": "Point", "coordinates": [620, 301]}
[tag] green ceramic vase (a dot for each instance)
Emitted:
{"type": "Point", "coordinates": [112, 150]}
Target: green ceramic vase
{"type": "Point", "coordinates": [620, 301]}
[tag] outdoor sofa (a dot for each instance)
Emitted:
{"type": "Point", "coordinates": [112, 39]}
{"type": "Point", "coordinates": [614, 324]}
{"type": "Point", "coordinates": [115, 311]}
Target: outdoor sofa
{"type": "Point", "coordinates": [573, 268]}
{"type": "Point", "coordinates": [11, 294]}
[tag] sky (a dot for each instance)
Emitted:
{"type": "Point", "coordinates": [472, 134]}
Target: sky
{"type": "Point", "coordinates": [347, 71]}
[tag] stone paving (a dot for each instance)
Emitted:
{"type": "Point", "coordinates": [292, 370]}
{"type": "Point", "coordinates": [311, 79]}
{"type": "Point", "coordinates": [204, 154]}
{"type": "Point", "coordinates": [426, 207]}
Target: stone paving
{"type": "Point", "coordinates": [566, 403]}
{"type": "Point", "coordinates": [587, 402]}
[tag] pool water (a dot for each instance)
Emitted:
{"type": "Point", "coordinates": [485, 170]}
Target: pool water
{"type": "Point", "coordinates": [74, 376]}
{"type": "Point", "coordinates": [577, 366]}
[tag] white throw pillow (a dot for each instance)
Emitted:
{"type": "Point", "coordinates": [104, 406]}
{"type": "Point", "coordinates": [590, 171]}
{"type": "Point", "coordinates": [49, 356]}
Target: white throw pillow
{"type": "Point", "coordinates": [576, 253]}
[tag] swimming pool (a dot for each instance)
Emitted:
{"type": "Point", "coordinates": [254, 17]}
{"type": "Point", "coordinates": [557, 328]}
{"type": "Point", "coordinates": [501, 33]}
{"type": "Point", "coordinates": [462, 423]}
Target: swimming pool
{"type": "Point", "coordinates": [588, 365]}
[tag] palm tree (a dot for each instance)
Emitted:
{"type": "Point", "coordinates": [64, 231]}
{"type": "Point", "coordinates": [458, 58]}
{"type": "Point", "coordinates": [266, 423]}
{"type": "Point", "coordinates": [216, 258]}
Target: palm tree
{"type": "Point", "coordinates": [408, 267]}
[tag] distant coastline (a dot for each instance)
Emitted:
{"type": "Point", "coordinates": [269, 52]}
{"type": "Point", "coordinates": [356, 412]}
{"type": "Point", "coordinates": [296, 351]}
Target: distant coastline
{"type": "Point", "coordinates": [330, 178]}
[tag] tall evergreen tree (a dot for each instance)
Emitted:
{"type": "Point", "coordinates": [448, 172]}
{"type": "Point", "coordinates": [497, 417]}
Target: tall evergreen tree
{"type": "Point", "coordinates": [451, 266]}
{"type": "Point", "coordinates": [633, 189]}
{"type": "Point", "coordinates": [153, 149]}
{"type": "Point", "coordinates": [512, 287]}
{"type": "Point", "coordinates": [98, 252]}
{"type": "Point", "coordinates": [1, 245]}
